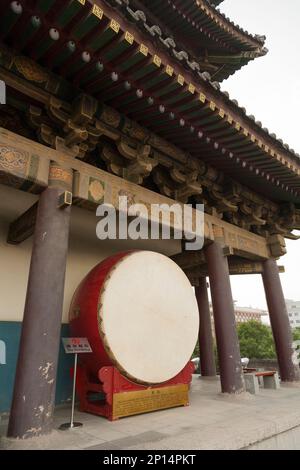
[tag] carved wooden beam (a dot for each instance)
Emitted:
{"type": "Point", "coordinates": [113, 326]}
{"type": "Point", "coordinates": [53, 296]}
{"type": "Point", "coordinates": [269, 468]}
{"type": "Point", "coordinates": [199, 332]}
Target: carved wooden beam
{"type": "Point", "coordinates": [139, 169]}
{"type": "Point", "coordinates": [23, 160]}
{"type": "Point", "coordinates": [297, 220]}
{"type": "Point", "coordinates": [135, 169]}
{"type": "Point", "coordinates": [291, 236]}
{"type": "Point", "coordinates": [177, 184]}
{"type": "Point", "coordinates": [248, 267]}
{"type": "Point", "coordinates": [23, 227]}
{"type": "Point", "coordinates": [74, 134]}
{"type": "Point", "coordinates": [189, 259]}
{"type": "Point", "coordinates": [222, 203]}
{"type": "Point", "coordinates": [114, 161]}
{"type": "Point", "coordinates": [277, 245]}
{"type": "Point", "coordinates": [235, 269]}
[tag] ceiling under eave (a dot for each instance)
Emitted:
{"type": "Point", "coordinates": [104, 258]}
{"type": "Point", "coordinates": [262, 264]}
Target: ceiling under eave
{"type": "Point", "coordinates": [98, 55]}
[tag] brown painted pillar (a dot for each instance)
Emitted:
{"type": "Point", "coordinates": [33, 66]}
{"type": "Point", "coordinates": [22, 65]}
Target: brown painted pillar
{"type": "Point", "coordinates": [231, 372]}
{"type": "Point", "coordinates": [35, 380]}
{"type": "Point", "coordinates": [289, 371]}
{"type": "Point", "coordinates": [206, 345]}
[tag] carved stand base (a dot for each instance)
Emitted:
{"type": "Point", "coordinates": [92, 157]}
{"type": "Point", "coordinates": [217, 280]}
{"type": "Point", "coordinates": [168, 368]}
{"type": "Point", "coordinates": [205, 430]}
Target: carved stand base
{"type": "Point", "coordinates": [114, 396]}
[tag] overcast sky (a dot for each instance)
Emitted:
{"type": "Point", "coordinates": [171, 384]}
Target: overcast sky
{"type": "Point", "coordinates": [269, 88]}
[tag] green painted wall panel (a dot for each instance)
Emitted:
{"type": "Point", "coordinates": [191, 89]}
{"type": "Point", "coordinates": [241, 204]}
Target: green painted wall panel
{"type": "Point", "coordinates": [10, 333]}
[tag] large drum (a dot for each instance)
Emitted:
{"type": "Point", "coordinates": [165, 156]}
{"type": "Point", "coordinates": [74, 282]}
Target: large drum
{"type": "Point", "coordinates": [139, 312]}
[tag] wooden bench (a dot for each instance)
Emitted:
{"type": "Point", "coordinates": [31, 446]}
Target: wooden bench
{"type": "Point", "coordinates": [270, 380]}
{"type": "Point", "coordinates": [265, 373]}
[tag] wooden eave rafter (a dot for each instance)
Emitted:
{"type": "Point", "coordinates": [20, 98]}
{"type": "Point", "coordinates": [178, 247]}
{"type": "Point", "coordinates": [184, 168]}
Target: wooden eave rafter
{"type": "Point", "coordinates": [126, 70]}
{"type": "Point", "coordinates": [195, 39]}
{"type": "Point", "coordinates": [199, 16]}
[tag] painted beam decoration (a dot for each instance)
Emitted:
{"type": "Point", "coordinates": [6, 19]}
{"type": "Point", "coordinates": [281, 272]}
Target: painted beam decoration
{"type": "Point", "coordinates": [93, 186]}
{"type": "Point", "coordinates": [22, 170]}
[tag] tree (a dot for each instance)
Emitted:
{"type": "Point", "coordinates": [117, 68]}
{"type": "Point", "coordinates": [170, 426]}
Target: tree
{"type": "Point", "coordinates": [296, 334]}
{"type": "Point", "coordinates": [196, 351]}
{"type": "Point", "coordinates": [296, 337]}
{"type": "Point", "coordinates": [256, 340]}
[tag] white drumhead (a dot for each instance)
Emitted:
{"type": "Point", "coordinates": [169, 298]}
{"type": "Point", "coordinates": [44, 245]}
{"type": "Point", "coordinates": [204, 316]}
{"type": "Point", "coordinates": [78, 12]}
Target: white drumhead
{"type": "Point", "coordinates": [149, 317]}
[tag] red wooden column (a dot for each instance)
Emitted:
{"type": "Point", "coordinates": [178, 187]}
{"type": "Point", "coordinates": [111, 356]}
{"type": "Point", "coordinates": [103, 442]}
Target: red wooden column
{"type": "Point", "coordinates": [231, 372]}
{"type": "Point", "coordinates": [289, 370]}
{"type": "Point", "coordinates": [206, 345]}
{"type": "Point", "coordinates": [35, 380]}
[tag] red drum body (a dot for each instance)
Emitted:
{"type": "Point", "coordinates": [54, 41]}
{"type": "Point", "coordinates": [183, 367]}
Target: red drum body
{"type": "Point", "coordinates": [139, 313]}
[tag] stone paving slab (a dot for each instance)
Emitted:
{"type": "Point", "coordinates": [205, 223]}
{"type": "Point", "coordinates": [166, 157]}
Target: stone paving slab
{"type": "Point", "coordinates": [212, 421]}
{"type": "Point", "coordinates": [149, 437]}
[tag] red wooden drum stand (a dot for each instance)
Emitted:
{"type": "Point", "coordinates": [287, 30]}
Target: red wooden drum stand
{"type": "Point", "coordinates": [114, 396]}
{"type": "Point", "coordinates": [140, 315]}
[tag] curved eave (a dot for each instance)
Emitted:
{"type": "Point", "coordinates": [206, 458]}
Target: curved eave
{"type": "Point", "coordinates": [222, 67]}
{"type": "Point", "coordinates": [111, 53]}
{"type": "Point", "coordinates": [194, 17]}
{"type": "Point", "coordinates": [200, 37]}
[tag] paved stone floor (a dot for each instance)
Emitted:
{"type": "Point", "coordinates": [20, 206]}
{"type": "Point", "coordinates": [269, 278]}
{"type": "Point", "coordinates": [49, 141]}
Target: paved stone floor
{"type": "Point", "coordinates": [212, 421]}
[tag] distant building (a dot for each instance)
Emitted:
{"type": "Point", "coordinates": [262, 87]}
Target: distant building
{"type": "Point", "coordinates": [293, 308]}
{"type": "Point", "coordinates": [244, 314]}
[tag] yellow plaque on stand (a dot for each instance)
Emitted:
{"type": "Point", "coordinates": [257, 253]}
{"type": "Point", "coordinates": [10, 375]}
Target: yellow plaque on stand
{"type": "Point", "coordinates": [152, 399]}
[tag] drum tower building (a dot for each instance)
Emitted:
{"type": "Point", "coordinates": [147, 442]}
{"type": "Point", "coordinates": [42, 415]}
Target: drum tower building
{"type": "Point", "coordinates": [122, 97]}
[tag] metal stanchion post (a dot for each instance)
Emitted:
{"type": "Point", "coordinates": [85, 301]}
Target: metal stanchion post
{"type": "Point", "coordinates": [71, 425]}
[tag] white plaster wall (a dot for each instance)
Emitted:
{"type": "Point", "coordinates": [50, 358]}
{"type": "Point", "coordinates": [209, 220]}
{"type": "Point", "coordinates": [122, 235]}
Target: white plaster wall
{"type": "Point", "coordinates": [85, 251]}
{"type": "Point", "coordinates": [14, 267]}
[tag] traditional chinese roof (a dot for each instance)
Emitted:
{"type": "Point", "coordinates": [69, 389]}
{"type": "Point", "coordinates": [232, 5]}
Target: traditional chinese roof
{"type": "Point", "coordinates": [219, 45]}
{"type": "Point", "coordinates": [101, 51]}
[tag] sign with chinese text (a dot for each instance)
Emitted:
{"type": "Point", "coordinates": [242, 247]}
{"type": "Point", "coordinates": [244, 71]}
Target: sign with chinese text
{"type": "Point", "coordinates": [76, 345]}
